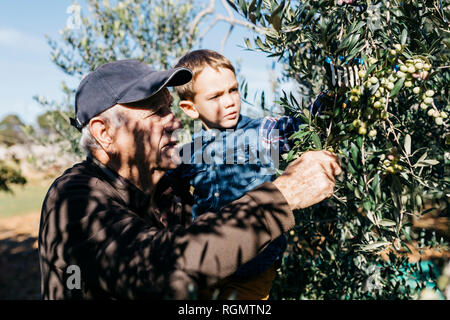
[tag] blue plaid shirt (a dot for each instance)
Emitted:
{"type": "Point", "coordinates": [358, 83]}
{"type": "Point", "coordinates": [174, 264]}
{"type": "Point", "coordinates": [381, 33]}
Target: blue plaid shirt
{"type": "Point", "coordinates": [222, 165]}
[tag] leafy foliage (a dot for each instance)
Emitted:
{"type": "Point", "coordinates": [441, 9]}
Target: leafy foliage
{"type": "Point", "coordinates": [10, 134]}
{"type": "Point", "coordinates": [9, 174]}
{"type": "Point", "coordinates": [388, 125]}
{"type": "Point", "coordinates": [155, 32]}
{"type": "Point", "coordinates": [10, 130]}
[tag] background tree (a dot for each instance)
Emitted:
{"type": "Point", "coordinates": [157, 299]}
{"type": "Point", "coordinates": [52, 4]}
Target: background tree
{"type": "Point", "coordinates": [9, 174]}
{"type": "Point", "coordinates": [11, 130]}
{"type": "Point", "coordinates": [387, 121]}
{"type": "Point", "coordinates": [10, 134]}
{"type": "Point", "coordinates": [155, 32]}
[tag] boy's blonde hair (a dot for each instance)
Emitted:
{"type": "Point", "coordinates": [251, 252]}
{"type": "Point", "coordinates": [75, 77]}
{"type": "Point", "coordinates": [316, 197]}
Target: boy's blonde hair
{"type": "Point", "coordinates": [196, 61]}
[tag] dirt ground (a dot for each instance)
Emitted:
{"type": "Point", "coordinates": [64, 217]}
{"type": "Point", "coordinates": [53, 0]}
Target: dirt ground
{"type": "Point", "coordinates": [19, 261]}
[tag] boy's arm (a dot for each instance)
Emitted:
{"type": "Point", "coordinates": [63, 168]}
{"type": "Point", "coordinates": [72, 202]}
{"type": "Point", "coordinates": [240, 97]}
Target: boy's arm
{"type": "Point", "coordinates": [278, 130]}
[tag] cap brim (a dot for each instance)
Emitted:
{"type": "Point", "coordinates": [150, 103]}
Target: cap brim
{"type": "Point", "coordinates": [151, 84]}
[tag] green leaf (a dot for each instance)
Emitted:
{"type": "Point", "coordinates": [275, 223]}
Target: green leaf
{"type": "Point", "coordinates": [299, 134]}
{"type": "Point", "coordinates": [408, 144]}
{"type": "Point", "coordinates": [259, 43]}
{"type": "Point", "coordinates": [359, 142]}
{"type": "Point", "coordinates": [376, 185]}
{"type": "Point", "coordinates": [425, 163]}
{"type": "Point", "coordinates": [367, 205]}
{"type": "Point", "coordinates": [387, 223]}
{"type": "Point", "coordinates": [397, 87]}
{"type": "Point", "coordinates": [276, 22]}
{"type": "Point", "coordinates": [423, 157]}
{"type": "Point", "coordinates": [404, 36]}
{"type": "Point", "coordinates": [352, 170]}
{"type": "Point", "coordinates": [374, 88]}
{"type": "Point", "coordinates": [291, 155]}
{"type": "Point", "coordinates": [369, 70]}
{"type": "Point", "coordinates": [252, 6]}
{"type": "Point", "coordinates": [316, 141]}
{"type": "Point", "coordinates": [349, 186]}
{"type": "Point", "coordinates": [247, 43]}
{"type": "Point", "coordinates": [243, 6]}
{"type": "Point", "coordinates": [375, 245]}
{"type": "Point", "coordinates": [306, 113]}
{"type": "Point", "coordinates": [354, 151]}
{"type": "Point", "coordinates": [358, 26]}
{"type": "Point", "coordinates": [278, 9]}
{"type": "Point", "coordinates": [357, 193]}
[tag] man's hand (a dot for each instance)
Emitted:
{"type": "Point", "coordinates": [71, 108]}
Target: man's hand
{"type": "Point", "coordinates": [309, 179]}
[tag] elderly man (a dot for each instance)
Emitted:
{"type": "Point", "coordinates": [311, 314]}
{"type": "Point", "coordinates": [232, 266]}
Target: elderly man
{"type": "Point", "coordinates": [114, 226]}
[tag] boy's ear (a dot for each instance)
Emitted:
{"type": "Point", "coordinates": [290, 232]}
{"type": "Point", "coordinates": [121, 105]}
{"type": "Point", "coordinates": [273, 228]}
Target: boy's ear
{"type": "Point", "coordinates": [188, 107]}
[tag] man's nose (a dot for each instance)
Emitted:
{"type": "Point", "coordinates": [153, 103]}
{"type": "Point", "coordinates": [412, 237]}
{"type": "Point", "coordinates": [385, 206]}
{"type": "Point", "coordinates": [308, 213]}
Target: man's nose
{"type": "Point", "coordinates": [172, 123]}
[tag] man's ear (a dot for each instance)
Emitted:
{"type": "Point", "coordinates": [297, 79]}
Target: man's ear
{"type": "Point", "coordinates": [188, 107]}
{"type": "Point", "coordinates": [101, 132]}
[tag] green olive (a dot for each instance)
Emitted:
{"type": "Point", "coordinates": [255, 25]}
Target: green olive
{"type": "Point", "coordinates": [419, 65]}
{"type": "Point", "coordinates": [401, 74]}
{"type": "Point", "coordinates": [428, 100]}
{"type": "Point", "coordinates": [390, 169]}
{"type": "Point", "coordinates": [429, 93]}
{"type": "Point", "coordinates": [354, 98]}
{"type": "Point", "coordinates": [356, 123]}
{"type": "Point", "coordinates": [362, 131]}
{"type": "Point", "coordinates": [411, 69]}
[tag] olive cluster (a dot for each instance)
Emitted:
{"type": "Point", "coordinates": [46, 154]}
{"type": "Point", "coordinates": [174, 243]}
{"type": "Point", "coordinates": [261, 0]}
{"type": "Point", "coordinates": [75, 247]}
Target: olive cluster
{"type": "Point", "coordinates": [378, 86]}
{"type": "Point", "coordinates": [390, 162]}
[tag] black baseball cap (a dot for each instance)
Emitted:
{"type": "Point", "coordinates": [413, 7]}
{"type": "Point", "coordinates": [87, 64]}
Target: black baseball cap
{"type": "Point", "coordinates": [123, 81]}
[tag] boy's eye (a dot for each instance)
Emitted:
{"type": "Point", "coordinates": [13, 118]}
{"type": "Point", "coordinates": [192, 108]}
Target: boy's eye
{"type": "Point", "coordinates": [234, 89]}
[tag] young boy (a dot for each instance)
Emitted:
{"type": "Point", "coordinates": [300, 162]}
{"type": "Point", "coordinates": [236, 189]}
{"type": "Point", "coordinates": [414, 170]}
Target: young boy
{"type": "Point", "coordinates": [231, 155]}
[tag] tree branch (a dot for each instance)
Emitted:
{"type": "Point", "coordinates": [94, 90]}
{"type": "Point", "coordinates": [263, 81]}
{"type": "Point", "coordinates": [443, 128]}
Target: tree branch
{"type": "Point", "coordinates": [207, 11]}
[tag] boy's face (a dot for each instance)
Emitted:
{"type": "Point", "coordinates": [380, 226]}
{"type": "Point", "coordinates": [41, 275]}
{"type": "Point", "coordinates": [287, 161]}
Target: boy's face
{"type": "Point", "coordinates": [217, 98]}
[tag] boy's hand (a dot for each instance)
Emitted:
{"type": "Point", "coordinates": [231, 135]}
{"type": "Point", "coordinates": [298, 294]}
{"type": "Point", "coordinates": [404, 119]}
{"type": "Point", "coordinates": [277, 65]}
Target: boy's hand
{"type": "Point", "coordinates": [309, 179]}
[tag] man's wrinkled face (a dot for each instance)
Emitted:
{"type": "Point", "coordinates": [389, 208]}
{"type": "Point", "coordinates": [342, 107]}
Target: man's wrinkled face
{"type": "Point", "coordinates": [145, 140]}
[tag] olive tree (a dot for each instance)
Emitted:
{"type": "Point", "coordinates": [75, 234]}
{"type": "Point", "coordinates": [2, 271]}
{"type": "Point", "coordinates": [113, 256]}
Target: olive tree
{"type": "Point", "coordinates": [385, 66]}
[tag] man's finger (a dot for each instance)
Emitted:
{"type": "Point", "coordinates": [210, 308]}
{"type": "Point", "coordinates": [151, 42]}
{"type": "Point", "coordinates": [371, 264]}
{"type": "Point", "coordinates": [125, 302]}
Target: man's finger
{"type": "Point", "coordinates": [331, 183]}
{"type": "Point", "coordinates": [337, 170]}
{"type": "Point", "coordinates": [328, 170]}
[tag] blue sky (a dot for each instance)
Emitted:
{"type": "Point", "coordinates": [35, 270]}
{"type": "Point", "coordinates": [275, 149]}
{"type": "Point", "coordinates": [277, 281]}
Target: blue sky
{"type": "Point", "coordinates": [26, 69]}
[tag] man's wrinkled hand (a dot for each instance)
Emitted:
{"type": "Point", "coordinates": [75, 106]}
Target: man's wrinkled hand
{"type": "Point", "coordinates": [309, 179]}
